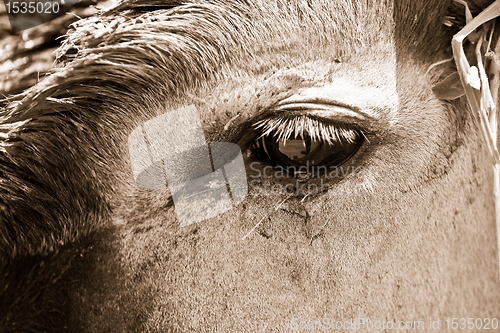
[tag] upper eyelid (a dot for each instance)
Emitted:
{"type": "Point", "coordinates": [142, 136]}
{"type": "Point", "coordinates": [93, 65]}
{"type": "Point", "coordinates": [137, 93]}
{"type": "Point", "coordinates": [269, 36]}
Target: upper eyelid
{"type": "Point", "coordinates": [252, 133]}
{"type": "Point", "coordinates": [358, 108]}
{"type": "Point", "coordinates": [321, 110]}
{"type": "Point", "coordinates": [320, 104]}
{"type": "Point", "coordinates": [324, 110]}
{"type": "Point", "coordinates": [325, 114]}
{"type": "Point", "coordinates": [289, 128]}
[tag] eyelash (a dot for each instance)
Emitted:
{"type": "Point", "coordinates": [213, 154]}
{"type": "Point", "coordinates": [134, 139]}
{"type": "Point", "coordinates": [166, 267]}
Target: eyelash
{"type": "Point", "coordinates": [298, 127]}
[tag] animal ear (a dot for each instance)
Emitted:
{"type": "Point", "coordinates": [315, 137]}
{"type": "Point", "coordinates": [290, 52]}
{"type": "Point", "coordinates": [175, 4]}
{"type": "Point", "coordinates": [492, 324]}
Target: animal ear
{"type": "Point", "coordinates": [449, 88]}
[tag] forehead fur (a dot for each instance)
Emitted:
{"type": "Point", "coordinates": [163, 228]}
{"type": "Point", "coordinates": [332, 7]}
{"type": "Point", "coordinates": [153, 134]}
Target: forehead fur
{"type": "Point", "coordinates": [178, 44]}
{"type": "Point", "coordinates": [163, 47]}
{"type": "Point", "coordinates": [168, 46]}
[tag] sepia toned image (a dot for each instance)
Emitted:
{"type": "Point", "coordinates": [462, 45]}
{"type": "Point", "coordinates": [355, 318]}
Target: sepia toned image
{"type": "Point", "coordinates": [249, 166]}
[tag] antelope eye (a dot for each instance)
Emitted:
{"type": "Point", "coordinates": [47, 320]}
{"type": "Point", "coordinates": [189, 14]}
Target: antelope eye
{"type": "Point", "coordinates": [328, 146]}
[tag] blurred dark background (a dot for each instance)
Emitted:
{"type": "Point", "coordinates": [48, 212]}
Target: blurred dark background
{"type": "Point", "coordinates": [26, 55]}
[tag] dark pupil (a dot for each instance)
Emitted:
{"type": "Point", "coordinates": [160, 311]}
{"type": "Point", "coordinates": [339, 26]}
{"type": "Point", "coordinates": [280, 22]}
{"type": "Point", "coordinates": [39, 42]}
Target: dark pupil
{"type": "Point", "coordinates": [307, 152]}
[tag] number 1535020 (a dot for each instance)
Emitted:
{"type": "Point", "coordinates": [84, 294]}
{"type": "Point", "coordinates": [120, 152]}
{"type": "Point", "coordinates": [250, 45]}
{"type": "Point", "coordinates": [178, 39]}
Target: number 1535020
{"type": "Point", "coordinates": [472, 323]}
{"type": "Point", "coordinates": [32, 7]}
